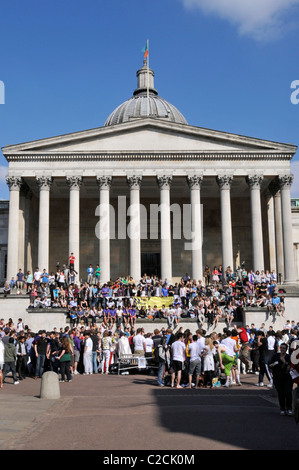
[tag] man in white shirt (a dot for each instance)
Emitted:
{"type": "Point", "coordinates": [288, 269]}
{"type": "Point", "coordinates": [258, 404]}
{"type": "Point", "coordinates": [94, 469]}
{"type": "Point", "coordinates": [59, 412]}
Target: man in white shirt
{"type": "Point", "coordinates": [178, 357]}
{"type": "Point", "coordinates": [139, 343]}
{"type": "Point", "coordinates": [195, 361]}
{"type": "Point", "coordinates": [200, 340]}
{"type": "Point", "coordinates": [37, 276]}
{"type": "Point", "coordinates": [87, 355]}
{"type": "Point", "coordinates": [228, 356]}
{"type": "Point", "coordinates": [149, 345]}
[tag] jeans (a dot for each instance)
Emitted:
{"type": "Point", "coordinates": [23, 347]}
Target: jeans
{"type": "Point", "coordinates": [40, 362]}
{"type": "Point", "coordinates": [54, 364]}
{"type": "Point", "coordinates": [12, 367]}
{"type": "Point", "coordinates": [94, 362]}
{"type": "Point", "coordinates": [160, 372]}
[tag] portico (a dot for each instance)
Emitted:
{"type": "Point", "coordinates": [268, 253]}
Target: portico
{"type": "Point", "coordinates": [146, 184]}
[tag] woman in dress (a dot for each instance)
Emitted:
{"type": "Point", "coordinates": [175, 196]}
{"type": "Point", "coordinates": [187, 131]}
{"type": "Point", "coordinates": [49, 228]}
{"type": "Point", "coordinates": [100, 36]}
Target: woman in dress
{"type": "Point", "coordinates": [208, 362]}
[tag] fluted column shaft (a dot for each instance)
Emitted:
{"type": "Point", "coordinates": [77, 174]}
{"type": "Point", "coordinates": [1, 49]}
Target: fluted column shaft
{"type": "Point", "coordinates": [14, 184]}
{"type": "Point", "coordinates": [44, 184]}
{"type": "Point", "coordinates": [164, 183]}
{"type": "Point", "coordinates": [104, 183]}
{"type": "Point", "coordinates": [134, 228]}
{"type": "Point", "coordinates": [224, 183]}
{"type": "Point", "coordinates": [274, 188]}
{"type": "Point", "coordinates": [254, 183]}
{"type": "Point", "coordinates": [194, 183]}
{"type": "Point", "coordinates": [74, 184]}
{"type": "Point", "coordinates": [285, 183]}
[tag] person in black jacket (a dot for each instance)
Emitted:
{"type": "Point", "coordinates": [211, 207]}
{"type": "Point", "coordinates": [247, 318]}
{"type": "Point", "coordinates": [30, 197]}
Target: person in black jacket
{"type": "Point", "coordinates": [280, 365]}
{"type": "Point", "coordinates": [22, 358]}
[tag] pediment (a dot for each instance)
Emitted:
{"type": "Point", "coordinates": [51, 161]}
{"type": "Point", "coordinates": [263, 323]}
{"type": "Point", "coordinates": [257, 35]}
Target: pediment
{"type": "Point", "coordinates": [147, 135]}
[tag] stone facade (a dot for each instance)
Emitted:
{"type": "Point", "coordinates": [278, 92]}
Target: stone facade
{"type": "Point", "coordinates": [236, 189]}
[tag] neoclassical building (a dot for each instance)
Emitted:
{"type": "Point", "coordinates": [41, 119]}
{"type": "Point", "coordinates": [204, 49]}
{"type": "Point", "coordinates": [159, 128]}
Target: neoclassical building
{"type": "Point", "coordinates": [132, 195]}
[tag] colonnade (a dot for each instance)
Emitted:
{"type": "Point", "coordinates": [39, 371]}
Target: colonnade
{"type": "Point", "coordinates": [280, 189]}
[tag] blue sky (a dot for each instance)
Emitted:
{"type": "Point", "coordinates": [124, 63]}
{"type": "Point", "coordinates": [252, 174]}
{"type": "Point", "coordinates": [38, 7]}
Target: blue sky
{"type": "Point", "coordinates": [226, 65]}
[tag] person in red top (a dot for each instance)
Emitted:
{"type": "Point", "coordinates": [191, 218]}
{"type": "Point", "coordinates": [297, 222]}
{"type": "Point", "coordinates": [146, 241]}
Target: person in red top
{"type": "Point", "coordinates": [245, 349]}
{"type": "Point", "coordinates": [72, 261]}
{"type": "Point", "coordinates": [242, 334]}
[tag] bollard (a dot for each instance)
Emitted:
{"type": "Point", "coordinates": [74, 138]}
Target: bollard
{"type": "Point", "coordinates": [50, 386]}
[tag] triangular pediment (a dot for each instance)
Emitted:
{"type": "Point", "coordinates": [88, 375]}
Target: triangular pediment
{"type": "Point", "coordinates": [147, 135]}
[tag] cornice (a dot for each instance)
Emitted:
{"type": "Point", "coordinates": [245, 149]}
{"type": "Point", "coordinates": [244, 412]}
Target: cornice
{"type": "Point", "coordinates": [148, 156]}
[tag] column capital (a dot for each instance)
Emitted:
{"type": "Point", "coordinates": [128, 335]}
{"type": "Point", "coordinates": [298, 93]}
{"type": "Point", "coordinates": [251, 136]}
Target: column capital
{"type": "Point", "coordinates": [254, 181]}
{"type": "Point", "coordinates": [14, 183]}
{"type": "Point", "coordinates": [224, 181]}
{"type": "Point", "coordinates": [104, 182]}
{"type": "Point", "coordinates": [285, 181]}
{"type": "Point", "coordinates": [164, 182]}
{"type": "Point", "coordinates": [134, 181]}
{"type": "Point", "coordinates": [44, 182]}
{"type": "Point", "coordinates": [194, 181]}
{"type": "Point", "coordinates": [74, 182]}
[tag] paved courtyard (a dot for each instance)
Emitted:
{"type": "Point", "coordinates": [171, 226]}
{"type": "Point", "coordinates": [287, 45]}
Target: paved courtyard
{"type": "Point", "coordinates": [131, 413]}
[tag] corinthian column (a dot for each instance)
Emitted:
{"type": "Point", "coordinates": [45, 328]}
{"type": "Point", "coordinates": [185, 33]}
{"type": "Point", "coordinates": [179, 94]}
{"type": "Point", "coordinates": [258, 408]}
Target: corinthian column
{"type": "Point", "coordinates": [224, 183]}
{"type": "Point", "coordinates": [285, 183]}
{"type": "Point", "coordinates": [164, 183]}
{"type": "Point", "coordinates": [134, 228]}
{"type": "Point", "coordinates": [44, 184]}
{"type": "Point", "coordinates": [194, 183]}
{"type": "Point", "coordinates": [14, 184]}
{"type": "Point", "coordinates": [104, 183]}
{"type": "Point", "coordinates": [254, 182]}
{"type": "Point", "coordinates": [74, 184]}
{"type": "Point", "coordinates": [274, 189]}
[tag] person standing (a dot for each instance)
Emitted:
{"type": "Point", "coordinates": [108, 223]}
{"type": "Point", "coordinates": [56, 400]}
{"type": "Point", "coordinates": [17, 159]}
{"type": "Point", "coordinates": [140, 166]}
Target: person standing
{"type": "Point", "coordinates": [178, 357]}
{"type": "Point", "coordinates": [209, 363]}
{"type": "Point", "coordinates": [72, 262]}
{"type": "Point", "coordinates": [53, 352]}
{"type": "Point", "coordinates": [10, 356]}
{"type": "Point", "coordinates": [90, 274]}
{"type": "Point", "coordinates": [280, 365]}
{"type": "Point", "coordinates": [264, 358]}
{"type": "Point", "coordinates": [77, 350]}
{"type": "Point", "coordinates": [65, 359]}
{"type": "Point", "coordinates": [106, 348]}
{"type": "Point", "coordinates": [139, 343]}
{"type": "Point", "coordinates": [40, 348]}
{"type": "Point", "coordinates": [195, 361]}
{"type": "Point", "coordinates": [22, 358]}
{"type": "Point", "coordinates": [227, 356]}
{"type": "Point", "coordinates": [87, 354]}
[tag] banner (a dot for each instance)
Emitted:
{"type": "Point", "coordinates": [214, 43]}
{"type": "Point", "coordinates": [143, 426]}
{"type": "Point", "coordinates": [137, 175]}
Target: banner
{"type": "Point", "coordinates": [154, 301]}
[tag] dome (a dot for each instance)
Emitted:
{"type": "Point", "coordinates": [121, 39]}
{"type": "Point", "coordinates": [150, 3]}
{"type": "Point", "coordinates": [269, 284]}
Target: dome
{"type": "Point", "coordinates": [144, 103]}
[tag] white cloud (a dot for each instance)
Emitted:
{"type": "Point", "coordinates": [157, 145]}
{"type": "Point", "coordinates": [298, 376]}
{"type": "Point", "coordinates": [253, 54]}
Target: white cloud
{"type": "Point", "coordinates": [262, 19]}
{"type": "Point", "coordinates": [295, 185]}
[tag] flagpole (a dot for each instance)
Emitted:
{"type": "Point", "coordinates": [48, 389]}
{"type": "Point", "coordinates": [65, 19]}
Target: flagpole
{"type": "Point", "coordinates": [147, 91]}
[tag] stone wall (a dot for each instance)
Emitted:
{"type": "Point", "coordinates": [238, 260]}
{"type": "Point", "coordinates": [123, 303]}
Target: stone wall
{"type": "Point", "coordinates": [16, 307]}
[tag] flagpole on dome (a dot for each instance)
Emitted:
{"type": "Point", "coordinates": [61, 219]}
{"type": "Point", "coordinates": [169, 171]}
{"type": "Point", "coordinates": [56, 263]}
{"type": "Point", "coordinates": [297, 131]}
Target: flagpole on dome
{"type": "Point", "coordinates": [145, 50]}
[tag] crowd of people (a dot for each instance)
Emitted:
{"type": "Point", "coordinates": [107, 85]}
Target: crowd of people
{"type": "Point", "coordinates": [179, 359]}
{"type": "Point", "coordinates": [222, 294]}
